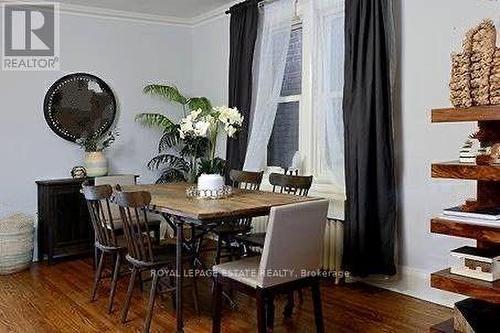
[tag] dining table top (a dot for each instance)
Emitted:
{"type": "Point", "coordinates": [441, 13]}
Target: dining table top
{"type": "Point", "coordinates": [172, 199]}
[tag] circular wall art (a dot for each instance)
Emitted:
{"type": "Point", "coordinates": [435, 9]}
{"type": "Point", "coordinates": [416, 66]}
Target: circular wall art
{"type": "Point", "coordinates": [79, 105]}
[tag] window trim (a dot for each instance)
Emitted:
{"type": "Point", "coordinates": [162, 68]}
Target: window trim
{"type": "Point", "coordinates": [322, 186]}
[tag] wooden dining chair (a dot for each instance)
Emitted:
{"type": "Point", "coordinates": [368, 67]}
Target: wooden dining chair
{"type": "Point", "coordinates": [123, 180]}
{"type": "Point", "coordinates": [288, 184]}
{"type": "Point", "coordinates": [227, 231]}
{"type": "Point", "coordinates": [106, 240]}
{"type": "Point", "coordinates": [292, 249]}
{"type": "Point", "coordinates": [143, 256]}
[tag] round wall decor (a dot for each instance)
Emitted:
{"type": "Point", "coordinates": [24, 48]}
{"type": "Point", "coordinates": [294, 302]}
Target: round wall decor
{"type": "Point", "coordinates": [79, 105]}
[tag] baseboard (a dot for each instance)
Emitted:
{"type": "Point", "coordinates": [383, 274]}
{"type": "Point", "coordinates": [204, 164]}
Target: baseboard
{"type": "Point", "coordinates": [416, 283]}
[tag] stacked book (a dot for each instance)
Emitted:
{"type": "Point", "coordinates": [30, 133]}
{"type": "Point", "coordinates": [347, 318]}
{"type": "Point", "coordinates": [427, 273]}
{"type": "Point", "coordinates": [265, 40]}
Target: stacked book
{"type": "Point", "coordinates": [487, 217]}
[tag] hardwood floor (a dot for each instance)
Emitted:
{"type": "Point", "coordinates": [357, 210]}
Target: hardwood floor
{"type": "Point", "coordinates": [56, 299]}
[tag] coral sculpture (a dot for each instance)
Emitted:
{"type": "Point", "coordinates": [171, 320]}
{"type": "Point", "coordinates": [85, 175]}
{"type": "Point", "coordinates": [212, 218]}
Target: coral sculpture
{"type": "Point", "coordinates": [475, 72]}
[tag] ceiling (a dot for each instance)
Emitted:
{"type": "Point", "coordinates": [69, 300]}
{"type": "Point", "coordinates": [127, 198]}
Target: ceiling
{"type": "Point", "coordinates": [184, 9]}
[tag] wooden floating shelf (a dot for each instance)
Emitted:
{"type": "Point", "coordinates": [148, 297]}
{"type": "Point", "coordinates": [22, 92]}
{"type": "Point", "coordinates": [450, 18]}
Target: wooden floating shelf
{"type": "Point", "coordinates": [471, 171]}
{"type": "Point", "coordinates": [448, 226]}
{"type": "Point", "coordinates": [487, 291]}
{"type": "Point", "coordinates": [474, 113]}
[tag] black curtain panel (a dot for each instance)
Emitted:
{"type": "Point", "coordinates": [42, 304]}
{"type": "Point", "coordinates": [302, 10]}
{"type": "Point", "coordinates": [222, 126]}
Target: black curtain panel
{"type": "Point", "coordinates": [369, 158]}
{"type": "Point", "coordinates": [243, 33]}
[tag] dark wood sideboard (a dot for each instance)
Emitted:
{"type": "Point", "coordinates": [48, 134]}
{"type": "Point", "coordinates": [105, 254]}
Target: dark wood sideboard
{"type": "Point", "coordinates": [64, 228]}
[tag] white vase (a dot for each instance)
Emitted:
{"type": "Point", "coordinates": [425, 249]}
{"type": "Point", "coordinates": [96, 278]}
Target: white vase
{"type": "Point", "coordinates": [96, 164]}
{"type": "Point", "coordinates": [212, 182]}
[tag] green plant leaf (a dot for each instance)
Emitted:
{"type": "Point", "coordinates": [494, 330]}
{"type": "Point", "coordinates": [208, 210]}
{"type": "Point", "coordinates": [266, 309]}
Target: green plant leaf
{"type": "Point", "coordinates": [170, 93]}
{"type": "Point", "coordinates": [196, 147]}
{"type": "Point", "coordinates": [171, 175]}
{"type": "Point", "coordinates": [169, 161]}
{"type": "Point", "coordinates": [217, 165]}
{"type": "Point", "coordinates": [202, 103]}
{"type": "Point", "coordinates": [155, 120]}
{"type": "Point", "coordinates": [169, 139]}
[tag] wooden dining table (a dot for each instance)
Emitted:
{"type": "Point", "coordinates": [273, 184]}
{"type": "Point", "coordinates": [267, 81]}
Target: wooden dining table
{"type": "Point", "coordinates": [171, 201]}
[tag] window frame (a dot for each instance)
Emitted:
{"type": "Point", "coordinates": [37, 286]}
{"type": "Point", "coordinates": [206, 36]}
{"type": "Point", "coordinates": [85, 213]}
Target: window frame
{"type": "Point", "coordinates": [313, 163]}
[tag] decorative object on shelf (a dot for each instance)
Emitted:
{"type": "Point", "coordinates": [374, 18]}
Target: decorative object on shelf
{"type": "Point", "coordinates": [468, 152]}
{"type": "Point", "coordinates": [177, 158]}
{"type": "Point", "coordinates": [460, 95]}
{"type": "Point", "coordinates": [477, 263]}
{"type": "Point", "coordinates": [486, 214]}
{"type": "Point", "coordinates": [220, 193]}
{"type": "Point", "coordinates": [78, 172]}
{"type": "Point", "coordinates": [475, 71]}
{"type": "Point", "coordinates": [79, 105]}
{"type": "Point", "coordinates": [16, 243]}
{"type": "Point", "coordinates": [491, 156]}
{"type": "Point", "coordinates": [96, 163]}
{"type": "Point", "coordinates": [208, 124]}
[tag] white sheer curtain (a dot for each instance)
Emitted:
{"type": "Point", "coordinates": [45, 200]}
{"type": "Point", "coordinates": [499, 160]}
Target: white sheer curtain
{"type": "Point", "coordinates": [328, 85]}
{"type": "Point", "coordinates": [275, 24]}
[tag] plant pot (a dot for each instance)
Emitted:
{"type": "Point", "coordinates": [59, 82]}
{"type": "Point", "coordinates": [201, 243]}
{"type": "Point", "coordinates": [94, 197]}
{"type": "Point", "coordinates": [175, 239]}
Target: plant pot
{"type": "Point", "coordinates": [96, 164]}
{"type": "Point", "coordinates": [211, 182]}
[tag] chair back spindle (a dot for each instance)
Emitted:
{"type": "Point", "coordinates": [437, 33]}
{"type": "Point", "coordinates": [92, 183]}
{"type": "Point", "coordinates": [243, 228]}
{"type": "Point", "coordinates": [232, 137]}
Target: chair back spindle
{"type": "Point", "coordinates": [246, 180]}
{"type": "Point", "coordinates": [113, 181]}
{"type": "Point", "coordinates": [135, 224]}
{"type": "Point", "coordinates": [290, 184]}
{"type": "Point", "coordinates": [101, 217]}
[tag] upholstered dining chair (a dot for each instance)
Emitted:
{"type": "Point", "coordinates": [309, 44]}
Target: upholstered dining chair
{"type": "Point", "coordinates": [281, 268]}
{"type": "Point", "coordinates": [281, 183]}
{"type": "Point", "coordinates": [143, 256]}
{"type": "Point", "coordinates": [227, 231]}
{"type": "Point", "coordinates": [289, 184]}
{"type": "Point", "coordinates": [106, 240]}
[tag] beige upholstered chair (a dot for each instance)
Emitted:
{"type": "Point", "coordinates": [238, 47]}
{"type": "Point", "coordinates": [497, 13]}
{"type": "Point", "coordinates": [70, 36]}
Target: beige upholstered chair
{"type": "Point", "coordinates": [300, 225]}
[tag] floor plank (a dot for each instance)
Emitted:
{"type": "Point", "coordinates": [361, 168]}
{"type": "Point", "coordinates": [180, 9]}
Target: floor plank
{"type": "Point", "coordinates": [56, 299]}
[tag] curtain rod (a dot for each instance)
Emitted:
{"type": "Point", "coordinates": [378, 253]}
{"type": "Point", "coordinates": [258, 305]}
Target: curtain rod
{"type": "Point", "coordinates": [246, 3]}
{"type": "Point", "coordinates": [260, 4]}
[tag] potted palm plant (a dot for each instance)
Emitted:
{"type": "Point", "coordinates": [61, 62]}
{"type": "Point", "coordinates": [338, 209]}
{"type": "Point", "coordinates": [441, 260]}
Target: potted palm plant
{"type": "Point", "coordinates": [177, 158]}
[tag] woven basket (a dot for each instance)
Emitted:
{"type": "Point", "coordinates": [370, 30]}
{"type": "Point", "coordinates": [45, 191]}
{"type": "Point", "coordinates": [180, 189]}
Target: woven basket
{"type": "Point", "coordinates": [16, 243]}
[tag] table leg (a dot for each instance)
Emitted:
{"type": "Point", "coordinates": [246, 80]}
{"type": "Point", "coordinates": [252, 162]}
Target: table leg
{"type": "Point", "coordinates": [179, 275]}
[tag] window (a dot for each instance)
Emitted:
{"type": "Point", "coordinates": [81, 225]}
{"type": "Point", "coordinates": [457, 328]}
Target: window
{"type": "Point", "coordinates": [309, 114]}
{"type": "Point", "coordinates": [284, 141]}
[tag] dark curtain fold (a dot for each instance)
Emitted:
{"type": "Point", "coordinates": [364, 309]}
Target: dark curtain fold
{"type": "Point", "coordinates": [370, 224]}
{"type": "Point", "coordinates": [243, 34]}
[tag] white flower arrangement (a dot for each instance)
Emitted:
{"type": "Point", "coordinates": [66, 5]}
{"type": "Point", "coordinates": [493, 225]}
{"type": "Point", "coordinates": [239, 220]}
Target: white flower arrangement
{"type": "Point", "coordinates": [201, 123]}
{"type": "Point", "coordinates": [198, 123]}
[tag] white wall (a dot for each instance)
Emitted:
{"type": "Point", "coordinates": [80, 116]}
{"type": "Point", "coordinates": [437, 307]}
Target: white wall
{"type": "Point", "coordinates": [124, 54]}
{"type": "Point", "coordinates": [210, 63]}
